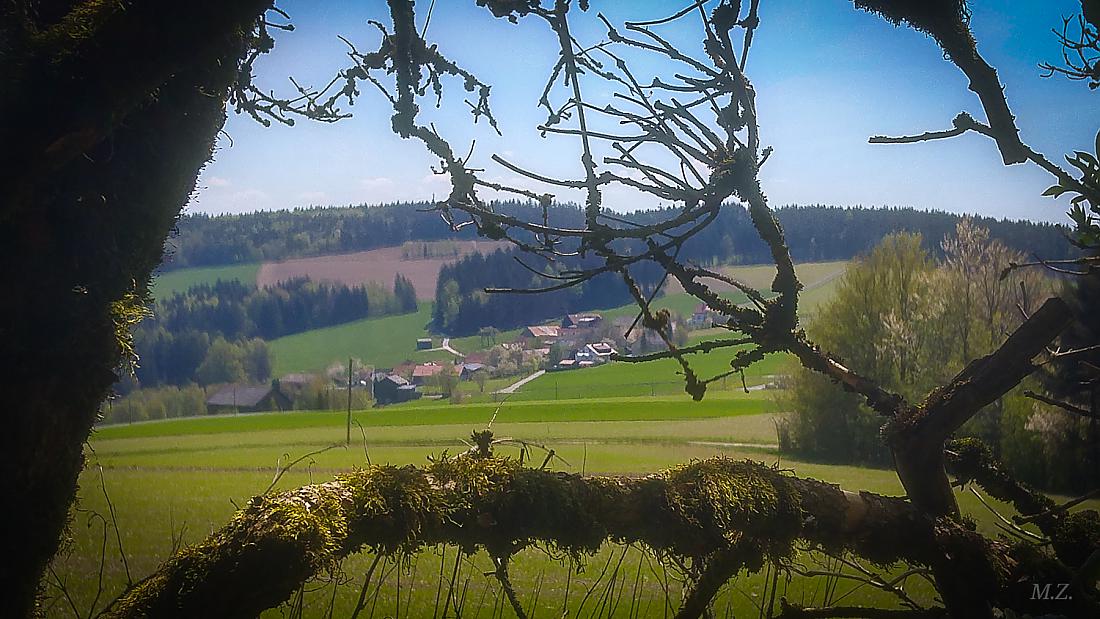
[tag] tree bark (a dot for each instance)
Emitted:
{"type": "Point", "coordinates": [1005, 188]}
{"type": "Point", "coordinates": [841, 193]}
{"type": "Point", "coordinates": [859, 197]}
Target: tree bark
{"type": "Point", "coordinates": [966, 579]}
{"type": "Point", "coordinates": [111, 109]}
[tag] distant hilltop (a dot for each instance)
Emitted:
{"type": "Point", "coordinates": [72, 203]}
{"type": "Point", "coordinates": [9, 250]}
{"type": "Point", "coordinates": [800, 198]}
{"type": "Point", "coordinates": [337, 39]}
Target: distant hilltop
{"type": "Point", "coordinates": [814, 233]}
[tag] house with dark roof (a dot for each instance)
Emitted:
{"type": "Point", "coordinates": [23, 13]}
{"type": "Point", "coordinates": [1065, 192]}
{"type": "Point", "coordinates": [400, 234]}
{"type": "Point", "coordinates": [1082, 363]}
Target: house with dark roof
{"type": "Point", "coordinates": [392, 389]}
{"type": "Point", "coordinates": [581, 321]}
{"type": "Point", "coordinates": [293, 384]}
{"type": "Point", "coordinates": [248, 399]}
{"type": "Point", "coordinates": [467, 370]}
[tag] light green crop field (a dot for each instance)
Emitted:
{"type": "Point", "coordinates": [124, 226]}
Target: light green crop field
{"type": "Point", "coordinates": [383, 342]}
{"type": "Point", "coordinates": [811, 274]}
{"type": "Point", "coordinates": [620, 379]}
{"type": "Point", "coordinates": [168, 283]}
{"type": "Point", "coordinates": [182, 479]}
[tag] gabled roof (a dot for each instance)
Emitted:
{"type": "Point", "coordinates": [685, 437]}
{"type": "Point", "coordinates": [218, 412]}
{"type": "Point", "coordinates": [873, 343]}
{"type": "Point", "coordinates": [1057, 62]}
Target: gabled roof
{"type": "Point", "coordinates": [544, 331]}
{"type": "Point", "coordinates": [477, 357]}
{"type": "Point", "coordinates": [392, 378]}
{"type": "Point", "coordinates": [578, 319]}
{"type": "Point", "coordinates": [239, 395]}
{"type": "Point", "coordinates": [427, 369]}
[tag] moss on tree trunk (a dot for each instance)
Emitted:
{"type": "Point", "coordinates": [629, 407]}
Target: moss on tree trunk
{"type": "Point", "coordinates": [110, 110]}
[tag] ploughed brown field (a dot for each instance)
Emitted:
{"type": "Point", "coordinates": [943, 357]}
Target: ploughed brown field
{"type": "Point", "coordinates": [377, 265]}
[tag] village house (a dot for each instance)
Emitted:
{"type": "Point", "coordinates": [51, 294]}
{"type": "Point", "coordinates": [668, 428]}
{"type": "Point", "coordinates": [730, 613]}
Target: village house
{"type": "Point", "coordinates": [701, 318]}
{"type": "Point", "coordinates": [467, 370]}
{"type": "Point", "coordinates": [392, 389]}
{"type": "Point", "coordinates": [248, 399]}
{"type": "Point", "coordinates": [581, 321]}
{"type": "Point", "coordinates": [588, 355]}
{"type": "Point", "coordinates": [424, 372]}
{"type": "Point", "coordinates": [540, 335]}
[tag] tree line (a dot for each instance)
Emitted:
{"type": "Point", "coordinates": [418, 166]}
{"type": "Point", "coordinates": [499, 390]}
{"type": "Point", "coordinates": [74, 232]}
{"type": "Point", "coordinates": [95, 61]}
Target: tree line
{"type": "Point", "coordinates": [215, 333]}
{"type": "Point", "coordinates": [913, 320]}
{"type": "Point", "coordinates": [206, 240]}
{"type": "Point", "coordinates": [209, 240]}
{"type": "Point", "coordinates": [462, 306]}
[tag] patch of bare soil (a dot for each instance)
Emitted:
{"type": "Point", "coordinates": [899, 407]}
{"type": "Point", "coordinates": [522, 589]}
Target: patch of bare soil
{"type": "Point", "coordinates": [377, 265]}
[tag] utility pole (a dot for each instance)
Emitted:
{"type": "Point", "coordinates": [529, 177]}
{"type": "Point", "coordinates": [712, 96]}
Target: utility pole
{"type": "Point", "coordinates": [347, 441]}
{"type": "Point", "coordinates": [371, 375]}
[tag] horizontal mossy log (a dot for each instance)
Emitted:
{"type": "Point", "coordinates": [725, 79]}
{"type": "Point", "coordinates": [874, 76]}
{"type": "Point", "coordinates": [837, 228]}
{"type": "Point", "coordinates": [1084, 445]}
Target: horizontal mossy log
{"type": "Point", "coordinates": [493, 503]}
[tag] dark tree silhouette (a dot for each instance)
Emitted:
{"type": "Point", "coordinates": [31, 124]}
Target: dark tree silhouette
{"type": "Point", "coordinates": [110, 109]}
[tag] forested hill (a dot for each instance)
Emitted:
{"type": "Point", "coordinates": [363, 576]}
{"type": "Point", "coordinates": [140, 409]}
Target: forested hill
{"type": "Point", "coordinates": [814, 232]}
{"type": "Point", "coordinates": [205, 240]}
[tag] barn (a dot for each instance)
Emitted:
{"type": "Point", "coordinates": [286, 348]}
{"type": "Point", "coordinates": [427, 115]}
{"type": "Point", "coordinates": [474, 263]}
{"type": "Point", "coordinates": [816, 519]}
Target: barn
{"type": "Point", "coordinates": [248, 399]}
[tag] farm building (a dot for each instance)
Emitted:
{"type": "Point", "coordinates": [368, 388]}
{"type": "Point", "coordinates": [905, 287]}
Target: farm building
{"type": "Point", "coordinates": [581, 321]}
{"type": "Point", "coordinates": [565, 364]}
{"type": "Point", "coordinates": [544, 334]}
{"type": "Point", "coordinates": [424, 343]}
{"type": "Point", "coordinates": [423, 372]}
{"type": "Point", "coordinates": [467, 370]}
{"type": "Point", "coordinates": [391, 389]}
{"type": "Point", "coordinates": [248, 399]}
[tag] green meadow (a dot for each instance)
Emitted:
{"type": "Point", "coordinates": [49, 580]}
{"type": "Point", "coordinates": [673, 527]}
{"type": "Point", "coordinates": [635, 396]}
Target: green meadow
{"type": "Point", "coordinates": [383, 342]}
{"type": "Point", "coordinates": [174, 482]}
{"type": "Point", "coordinates": [170, 282]}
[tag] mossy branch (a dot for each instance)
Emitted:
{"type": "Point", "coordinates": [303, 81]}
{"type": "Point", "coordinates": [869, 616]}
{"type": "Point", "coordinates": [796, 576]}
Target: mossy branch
{"type": "Point", "coordinates": [738, 510]}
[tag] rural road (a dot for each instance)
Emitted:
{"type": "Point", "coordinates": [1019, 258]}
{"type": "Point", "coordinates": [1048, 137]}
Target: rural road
{"type": "Point", "coordinates": [519, 383]}
{"type": "Point", "coordinates": [446, 345]}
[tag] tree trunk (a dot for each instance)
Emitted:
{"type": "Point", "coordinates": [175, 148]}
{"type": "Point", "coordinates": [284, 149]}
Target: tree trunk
{"type": "Point", "coordinates": [111, 110]}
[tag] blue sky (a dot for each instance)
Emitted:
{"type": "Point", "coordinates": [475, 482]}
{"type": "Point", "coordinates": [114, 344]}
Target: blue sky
{"type": "Point", "coordinates": [827, 77]}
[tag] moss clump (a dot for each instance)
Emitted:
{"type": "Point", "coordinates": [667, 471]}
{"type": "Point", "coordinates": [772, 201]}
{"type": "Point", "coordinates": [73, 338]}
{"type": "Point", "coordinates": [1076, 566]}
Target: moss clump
{"type": "Point", "coordinates": [723, 503]}
{"type": "Point", "coordinates": [1077, 536]}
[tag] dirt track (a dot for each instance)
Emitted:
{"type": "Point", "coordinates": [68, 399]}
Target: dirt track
{"type": "Point", "coordinates": [377, 265]}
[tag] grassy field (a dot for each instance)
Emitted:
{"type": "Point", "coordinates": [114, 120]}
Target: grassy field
{"type": "Point", "coordinates": [171, 282]}
{"type": "Point", "coordinates": [383, 342]}
{"type": "Point", "coordinates": [182, 479]}
{"type": "Point", "coordinates": [618, 379]}
{"type": "Point", "coordinates": [388, 341]}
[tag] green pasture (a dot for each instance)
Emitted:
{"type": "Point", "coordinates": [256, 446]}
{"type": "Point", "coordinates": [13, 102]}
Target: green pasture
{"type": "Point", "coordinates": [170, 282]}
{"type": "Point", "coordinates": [652, 378]}
{"type": "Point", "coordinates": [383, 342]}
{"type": "Point", "coordinates": [391, 340]}
{"type": "Point", "coordinates": [811, 274]}
{"type": "Point", "coordinates": [433, 413]}
{"type": "Point", "coordinates": [182, 479]}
